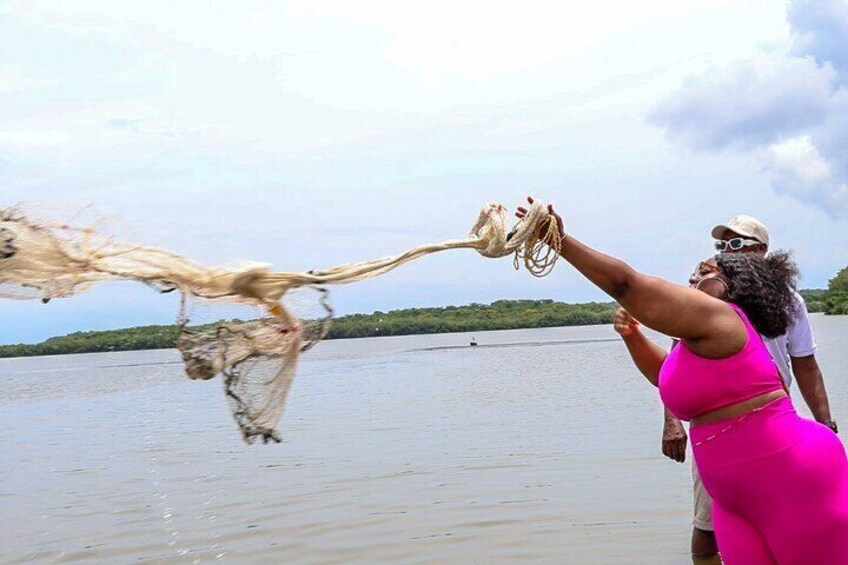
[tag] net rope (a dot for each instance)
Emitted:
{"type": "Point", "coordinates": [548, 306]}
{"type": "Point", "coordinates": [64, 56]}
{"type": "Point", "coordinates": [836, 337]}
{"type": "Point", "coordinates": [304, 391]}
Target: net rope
{"type": "Point", "coordinates": [257, 358]}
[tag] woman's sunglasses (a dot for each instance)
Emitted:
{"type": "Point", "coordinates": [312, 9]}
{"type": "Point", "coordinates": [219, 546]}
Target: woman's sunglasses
{"type": "Point", "coordinates": [703, 269]}
{"type": "Point", "coordinates": [735, 244]}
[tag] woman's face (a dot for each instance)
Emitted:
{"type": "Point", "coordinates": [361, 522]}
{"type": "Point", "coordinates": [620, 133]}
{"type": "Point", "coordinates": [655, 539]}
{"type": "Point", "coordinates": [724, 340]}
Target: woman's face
{"type": "Point", "coordinates": [708, 278]}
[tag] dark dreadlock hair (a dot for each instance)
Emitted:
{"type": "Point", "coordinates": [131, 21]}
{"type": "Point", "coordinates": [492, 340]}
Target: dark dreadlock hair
{"type": "Point", "coordinates": [764, 287]}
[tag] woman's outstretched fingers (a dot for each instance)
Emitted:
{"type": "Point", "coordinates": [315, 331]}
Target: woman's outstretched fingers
{"type": "Point", "coordinates": [522, 211]}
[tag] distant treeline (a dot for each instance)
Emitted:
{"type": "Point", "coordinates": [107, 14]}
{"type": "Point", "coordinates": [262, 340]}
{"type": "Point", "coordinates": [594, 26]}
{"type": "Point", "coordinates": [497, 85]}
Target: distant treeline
{"type": "Point", "coordinates": [814, 299]}
{"type": "Point", "coordinates": [499, 315]}
{"type": "Point", "coordinates": [836, 298]}
{"type": "Point", "coordinates": [833, 300]}
{"type": "Point", "coordinates": [129, 339]}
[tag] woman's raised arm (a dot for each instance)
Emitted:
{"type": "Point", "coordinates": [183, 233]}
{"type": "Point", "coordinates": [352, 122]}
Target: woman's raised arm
{"type": "Point", "coordinates": [708, 326]}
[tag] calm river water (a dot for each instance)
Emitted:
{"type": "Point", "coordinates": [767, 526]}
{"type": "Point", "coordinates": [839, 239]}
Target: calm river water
{"type": "Point", "coordinates": [543, 450]}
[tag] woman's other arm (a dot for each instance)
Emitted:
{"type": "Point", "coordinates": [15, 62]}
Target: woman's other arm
{"type": "Point", "coordinates": [647, 355]}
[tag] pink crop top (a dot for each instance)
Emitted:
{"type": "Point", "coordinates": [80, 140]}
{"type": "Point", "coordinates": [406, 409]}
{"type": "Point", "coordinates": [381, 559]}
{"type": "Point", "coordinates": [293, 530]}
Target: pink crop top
{"type": "Point", "coordinates": [691, 386]}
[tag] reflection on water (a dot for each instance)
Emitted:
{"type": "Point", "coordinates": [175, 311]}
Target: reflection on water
{"type": "Point", "coordinates": [397, 450]}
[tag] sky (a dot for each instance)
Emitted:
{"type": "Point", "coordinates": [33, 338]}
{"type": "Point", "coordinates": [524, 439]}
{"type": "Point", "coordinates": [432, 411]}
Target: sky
{"type": "Point", "coordinates": [311, 134]}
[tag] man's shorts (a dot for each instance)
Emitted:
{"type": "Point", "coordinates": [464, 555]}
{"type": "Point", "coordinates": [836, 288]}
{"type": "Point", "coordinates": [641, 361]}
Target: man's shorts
{"type": "Point", "coordinates": [703, 503]}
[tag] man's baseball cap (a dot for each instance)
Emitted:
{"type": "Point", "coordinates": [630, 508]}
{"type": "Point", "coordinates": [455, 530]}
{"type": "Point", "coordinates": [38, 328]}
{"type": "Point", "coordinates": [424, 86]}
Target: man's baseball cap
{"type": "Point", "coordinates": [747, 226]}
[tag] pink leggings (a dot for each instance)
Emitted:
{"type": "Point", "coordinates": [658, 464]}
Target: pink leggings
{"type": "Point", "coordinates": [779, 485]}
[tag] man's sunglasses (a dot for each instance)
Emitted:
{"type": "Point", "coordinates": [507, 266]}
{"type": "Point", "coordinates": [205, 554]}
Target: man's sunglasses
{"type": "Point", "coordinates": [735, 244]}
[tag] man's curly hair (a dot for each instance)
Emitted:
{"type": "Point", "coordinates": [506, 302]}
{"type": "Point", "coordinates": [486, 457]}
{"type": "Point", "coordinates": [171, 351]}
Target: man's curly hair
{"type": "Point", "coordinates": [764, 287]}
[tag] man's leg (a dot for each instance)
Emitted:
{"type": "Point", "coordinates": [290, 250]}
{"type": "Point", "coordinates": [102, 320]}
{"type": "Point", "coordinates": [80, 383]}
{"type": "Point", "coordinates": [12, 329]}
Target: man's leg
{"type": "Point", "coordinates": [704, 546]}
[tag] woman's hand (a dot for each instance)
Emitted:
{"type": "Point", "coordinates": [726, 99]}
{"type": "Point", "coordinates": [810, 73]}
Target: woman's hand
{"type": "Point", "coordinates": [625, 324]}
{"type": "Point", "coordinates": [522, 211]}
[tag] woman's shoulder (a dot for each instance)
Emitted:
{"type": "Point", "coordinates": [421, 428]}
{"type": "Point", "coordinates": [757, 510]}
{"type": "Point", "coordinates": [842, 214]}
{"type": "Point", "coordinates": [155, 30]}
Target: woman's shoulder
{"type": "Point", "coordinates": [738, 309]}
{"type": "Point", "coordinates": [728, 339]}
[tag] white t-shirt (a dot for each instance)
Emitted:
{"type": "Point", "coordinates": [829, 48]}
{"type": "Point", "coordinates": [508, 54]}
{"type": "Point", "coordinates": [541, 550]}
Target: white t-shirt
{"type": "Point", "coordinates": [798, 341]}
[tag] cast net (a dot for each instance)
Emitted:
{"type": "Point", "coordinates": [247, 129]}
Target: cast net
{"type": "Point", "coordinates": [255, 352]}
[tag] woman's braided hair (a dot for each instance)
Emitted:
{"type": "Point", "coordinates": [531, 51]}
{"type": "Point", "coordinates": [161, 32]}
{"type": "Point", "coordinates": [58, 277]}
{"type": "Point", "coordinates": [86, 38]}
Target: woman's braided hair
{"type": "Point", "coordinates": [764, 287]}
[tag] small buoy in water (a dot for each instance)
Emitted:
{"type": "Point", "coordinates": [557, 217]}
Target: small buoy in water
{"type": "Point", "coordinates": [473, 342]}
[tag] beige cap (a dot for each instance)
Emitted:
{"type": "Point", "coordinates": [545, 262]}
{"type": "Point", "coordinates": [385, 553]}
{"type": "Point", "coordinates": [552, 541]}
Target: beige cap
{"type": "Point", "coordinates": [747, 226]}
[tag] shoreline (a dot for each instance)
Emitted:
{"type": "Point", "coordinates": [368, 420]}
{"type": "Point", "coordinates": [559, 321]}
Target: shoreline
{"type": "Point", "coordinates": [500, 315]}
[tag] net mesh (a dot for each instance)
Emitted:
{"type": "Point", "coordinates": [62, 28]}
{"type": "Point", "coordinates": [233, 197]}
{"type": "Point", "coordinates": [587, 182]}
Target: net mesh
{"type": "Point", "coordinates": [239, 322]}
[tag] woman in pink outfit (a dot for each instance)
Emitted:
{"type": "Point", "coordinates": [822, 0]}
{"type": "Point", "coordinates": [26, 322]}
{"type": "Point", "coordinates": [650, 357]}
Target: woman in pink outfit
{"type": "Point", "coordinates": [779, 482]}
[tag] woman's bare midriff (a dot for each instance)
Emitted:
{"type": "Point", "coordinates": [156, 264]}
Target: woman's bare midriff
{"type": "Point", "coordinates": [740, 408]}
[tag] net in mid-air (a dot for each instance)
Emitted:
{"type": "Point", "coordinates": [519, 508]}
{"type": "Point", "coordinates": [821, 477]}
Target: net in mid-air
{"type": "Point", "coordinates": [45, 258]}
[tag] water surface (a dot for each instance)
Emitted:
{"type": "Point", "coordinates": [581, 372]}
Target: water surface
{"type": "Point", "coordinates": [397, 450]}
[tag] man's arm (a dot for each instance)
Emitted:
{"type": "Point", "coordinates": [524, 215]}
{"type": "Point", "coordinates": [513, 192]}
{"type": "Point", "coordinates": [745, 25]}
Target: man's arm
{"type": "Point", "coordinates": [674, 438]}
{"type": "Point", "coordinates": [811, 384]}
{"type": "Point", "coordinates": [801, 345]}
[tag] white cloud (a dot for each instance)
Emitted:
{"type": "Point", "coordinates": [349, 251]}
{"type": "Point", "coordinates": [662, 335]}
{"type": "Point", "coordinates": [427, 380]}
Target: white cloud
{"type": "Point", "coordinates": [748, 103]}
{"type": "Point", "coordinates": [33, 139]}
{"type": "Point", "coordinates": [787, 104]}
{"type": "Point", "coordinates": [285, 132]}
{"type": "Point", "coordinates": [798, 169]}
{"type": "Point", "coordinates": [479, 38]}
{"type": "Point", "coordinates": [799, 158]}
{"type": "Point", "coordinates": [821, 30]}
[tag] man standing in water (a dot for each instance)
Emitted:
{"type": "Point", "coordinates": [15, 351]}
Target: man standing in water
{"type": "Point", "coordinates": [795, 349]}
